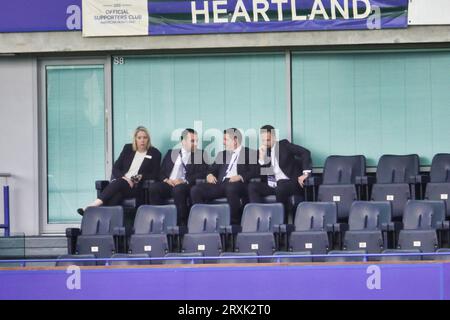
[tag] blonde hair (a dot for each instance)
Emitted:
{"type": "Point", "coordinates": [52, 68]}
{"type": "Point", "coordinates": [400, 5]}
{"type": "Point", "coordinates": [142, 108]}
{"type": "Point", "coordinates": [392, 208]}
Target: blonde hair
{"type": "Point", "coordinates": [143, 129]}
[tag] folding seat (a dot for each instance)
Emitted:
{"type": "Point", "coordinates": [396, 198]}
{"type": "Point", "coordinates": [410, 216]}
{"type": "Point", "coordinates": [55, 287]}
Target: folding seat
{"type": "Point", "coordinates": [438, 188]}
{"type": "Point", "coordinates": [207, 225]}
{"type": "Point", "coordinates": [235, 257]}
{"type": "Point", "coordinates": [313, 228]}
{"type": "Point", "coordinates": [75, 259]}
{"type": "Point", "coordinates": [395, 181]}
{"type": "Point", "coordinates": [340, 175]}
{"type": "Point", "coordinates": [100, 229]}
{"type": "Point", "coordinates": [346, 256]}
{"type": "Point", "coordinates": [127, 262]}
{"type": "Point", "coordinates": [420, 222]}
{"type": "Point", "coordinates": [399, 255]}
{"type": "Point", "coordinates": [260, 225]}
{"type": "Point", "coordinates": [369, 223]}
{"type": "Point", "coordinates": [150, 231]}
{"type": "Point", "coordinates": [278, 256]}
{"type": "Point", "coordinates": [183, 258]}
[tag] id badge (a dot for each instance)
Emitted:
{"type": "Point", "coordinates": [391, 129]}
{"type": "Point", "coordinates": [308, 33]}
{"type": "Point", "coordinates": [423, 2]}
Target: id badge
{"type": "Point", "coordinates": [271, 181]}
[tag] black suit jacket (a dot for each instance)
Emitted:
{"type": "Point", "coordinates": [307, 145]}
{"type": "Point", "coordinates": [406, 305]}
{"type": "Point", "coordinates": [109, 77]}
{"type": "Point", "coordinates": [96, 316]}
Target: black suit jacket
{"type": "Point", "coordinates": [149, 167]}
{"type": "Point", "coordinates": [196, 167]}
{"type": "Point", "coordinates": [247, 166]}
{"type": "Point", "coordinates": [292, 159]}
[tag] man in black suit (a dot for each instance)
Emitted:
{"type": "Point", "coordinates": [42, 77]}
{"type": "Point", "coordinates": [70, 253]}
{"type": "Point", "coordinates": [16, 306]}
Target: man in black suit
{"type": "Point", "coordinates": [284, 168]}
{"type": "Point", "coordinates": [179, 170]}
{"type": "Point", "coordinates": [229, 175]}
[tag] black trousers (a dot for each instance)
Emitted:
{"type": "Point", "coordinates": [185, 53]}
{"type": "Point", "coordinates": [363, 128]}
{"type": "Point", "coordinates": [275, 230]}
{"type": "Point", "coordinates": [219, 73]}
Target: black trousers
{"type": "Point", "coordinates": [159, 191]}
{"type": "Point", "coordinates": [115, 192]}
{"type": "Point", "coordinates": [284, 189]}
{"type": "Point", "coordinates": [233, 191]}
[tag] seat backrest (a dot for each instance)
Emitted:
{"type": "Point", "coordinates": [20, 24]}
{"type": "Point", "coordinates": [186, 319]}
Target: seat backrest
{"type": "Point", "coordinates": [208, 217]}
{"type": "Point", "coordinates": [155, 219]}
{"type": "Point", "coordinates": [262, 217]}
{"type": "Point", "coordinates": [101, 220]}
{"type": "Point", "coordinates": [423, 214]}
{"type": "Point", "coordinates": [314, 216]}
{"type": "Point", "coordinates": [369, 215]}
{"type": "Point", "coordinates": [397, 168]}
{"type": "Point", "coordinates": [343, 169]}
{"type": "Point", "coordinates": [440, 168]}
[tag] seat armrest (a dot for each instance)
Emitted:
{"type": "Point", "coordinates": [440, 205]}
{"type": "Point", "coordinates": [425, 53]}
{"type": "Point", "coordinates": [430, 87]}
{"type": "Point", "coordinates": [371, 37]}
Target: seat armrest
{"type": "Point", "coordinates": [101, 184]}
{"type": "Point", "coordinates": [394, 226]}
{"type": "Point", "coordinates": [233, 229]}
{"type": "Point", "coordinates": [364, 180]}
{"type": "Point", "coordinates": [72, 232]}
{"type": "Point", "coordinates": [177, 230]}
{"type": "Point", "coordinates": [287, 228]}
{"type": "Point", "coordinates": [119, 231]}
{"type": "Point", "coordinates": [329, 227]}
{"type": "Point", "coordinates": [313, 181]}
{"type": "Point", "coordinates": [420, 178]}
{"type": "Point", "coordinates": [446, 225]}
{"type": "Point", "coordinates": [146, 183]}
{"type": "Point", "coordinates": [340, 227]}
{"type": "Point", "coordinates": [255, 180]}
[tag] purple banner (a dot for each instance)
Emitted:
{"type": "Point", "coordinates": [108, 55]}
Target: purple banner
{"type": "Point", "coordinates": [234, 16]}
{"type": "Point", "coordinates": [41, 15]}
{"type": "Point", "coordinates": [221, 282]}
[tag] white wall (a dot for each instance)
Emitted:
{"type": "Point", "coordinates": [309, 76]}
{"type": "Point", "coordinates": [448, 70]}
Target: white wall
{"type": "Point", "coordinates": [19, 141]}
{"type": "Point", "coordinates": [429, 12]}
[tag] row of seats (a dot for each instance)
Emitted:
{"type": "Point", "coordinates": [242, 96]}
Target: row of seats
{"type": "Point", "coordinates": [397, 180]}
{"type": "Point", "coordinates": [316, 229]}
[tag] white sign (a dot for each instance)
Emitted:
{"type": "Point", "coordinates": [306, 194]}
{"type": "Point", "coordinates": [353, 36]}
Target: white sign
{"type": "Point", "coordinates": [103, 18]}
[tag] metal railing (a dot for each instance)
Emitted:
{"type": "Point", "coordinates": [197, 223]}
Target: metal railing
{"type": "Point", "coordinates": [6, 223]}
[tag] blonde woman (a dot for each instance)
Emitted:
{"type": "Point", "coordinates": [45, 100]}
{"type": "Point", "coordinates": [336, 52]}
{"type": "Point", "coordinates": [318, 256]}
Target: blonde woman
{"type": "Point", "coordinates": [138, 161]}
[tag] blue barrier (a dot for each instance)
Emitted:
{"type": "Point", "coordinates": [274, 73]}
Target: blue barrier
{"type": "Point", "coordinates": [6, 224]}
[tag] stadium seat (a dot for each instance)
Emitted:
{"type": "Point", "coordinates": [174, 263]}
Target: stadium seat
{"type": "Point", "coordinates": [75, 260]}
{"type": "Point", "coordinates": [278, 259]}
{"type": "Point", "coordinates": [313, 228]}
{"type": "Point", "coordinates": [260, 223]}
{"type": "Point", "coordinates": [129, 262]}
{"type": "Point", "coordinates": [100, 229]}
{"type": "Point", "coordinates": [151, 227]}
{"type": "Point", "coordinates": [340, 174]}
{"type": "Point", "coordinates": [234, 257]}
{"type": "Point", "coordinates": [396, 255]}
{"type": "Point", "coordinates": [420, 222]}
{"type": "Point", "coordinates": [346, 256]}
{"type": "Point", "coordinates": [369, 223]}
{"type": "Point", "coordinates": [207, 225]}
{"type": "Point", "coordinates": [395, 181]}
{"type": "Point", "coordinates": [184, 257]}
{"type": "Point", "coordinates": [445, 257]}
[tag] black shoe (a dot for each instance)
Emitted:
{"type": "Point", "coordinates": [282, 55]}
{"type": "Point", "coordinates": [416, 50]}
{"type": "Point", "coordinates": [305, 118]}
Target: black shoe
{"type": "Point", "coordinates": [80, 211]}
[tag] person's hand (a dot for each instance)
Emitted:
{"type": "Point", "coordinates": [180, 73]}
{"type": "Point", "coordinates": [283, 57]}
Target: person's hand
{"type": "Point", "coordinates": [169, 182]}
{"type": "Point", "coordinates": [129, 182]}
{"type": "Point", "coordinates": [177, 182]}
{"type": "Point", "coordinates": [236, 179]}
{"type": "Point", "coordinates": [301, 180]}
{"type": "Point", "coordinates": [262, 152]}
{"type": "Point", "coordinates": [211, 179]}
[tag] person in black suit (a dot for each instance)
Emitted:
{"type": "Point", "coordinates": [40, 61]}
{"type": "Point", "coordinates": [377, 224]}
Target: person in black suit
{"type": "Point", "coordinates": [284, 168]}
{"type": "Point", "coordinates": [179, 170]}
{"type": "Point", "coordinates": [229, 175]}
{"type": "Point", "coordinates": [138, 161]}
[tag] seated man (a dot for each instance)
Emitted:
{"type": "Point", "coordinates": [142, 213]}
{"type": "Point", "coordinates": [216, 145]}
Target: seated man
{"type": "Point", "coordinates": [179, 170]}
{"type": "Point", "coordinates": [282, 174]}
{"type": "Point", "coordinates": [229, 175]}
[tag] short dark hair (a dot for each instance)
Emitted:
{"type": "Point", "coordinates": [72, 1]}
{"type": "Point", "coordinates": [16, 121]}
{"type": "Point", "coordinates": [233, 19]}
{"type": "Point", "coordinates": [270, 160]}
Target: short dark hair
{"type": "Point", "coordinates": [186, 132]}
{"type": "Point", "coordinates": [267, 128]}
{"type": "Point", "coordinates": [235, 133]}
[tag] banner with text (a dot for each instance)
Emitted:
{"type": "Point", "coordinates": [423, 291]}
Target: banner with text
{"type": "Point", "coordinates": [234, 16]}
{"type": "Point", "coordinates": [115, 18]}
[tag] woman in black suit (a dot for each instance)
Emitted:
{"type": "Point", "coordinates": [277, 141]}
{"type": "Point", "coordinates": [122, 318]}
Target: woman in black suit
{"type": "Point", "coordinates": [138, 161]}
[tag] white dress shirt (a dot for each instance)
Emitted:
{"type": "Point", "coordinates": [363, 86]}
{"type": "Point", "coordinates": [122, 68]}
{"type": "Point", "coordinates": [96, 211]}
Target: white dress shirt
{"type": "Point", "coordinates": [136, 164]}
{"type": "Point", "coordinates": [232, 166]}
{"type": "Point", "coordinates": [178, 170]}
